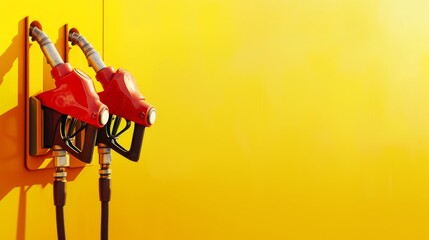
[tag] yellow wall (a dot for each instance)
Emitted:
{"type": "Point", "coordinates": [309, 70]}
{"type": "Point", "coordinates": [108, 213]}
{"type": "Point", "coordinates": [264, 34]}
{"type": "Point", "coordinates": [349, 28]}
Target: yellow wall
{"type": "Point", "coordinates": [276, 120]}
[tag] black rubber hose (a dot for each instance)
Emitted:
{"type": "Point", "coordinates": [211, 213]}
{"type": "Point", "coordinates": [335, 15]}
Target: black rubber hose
{"type": "Point", "coordinates": [60, 201]}
{"type": "Point", "coordinates": [104, 220]}
{"type": "Point", "coordinates": [61, 232]}
{"type": "Point", "coordinates": [104, 191]}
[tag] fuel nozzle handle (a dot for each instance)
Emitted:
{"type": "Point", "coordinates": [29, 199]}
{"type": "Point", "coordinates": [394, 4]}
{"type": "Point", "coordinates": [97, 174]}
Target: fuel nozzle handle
{"type": "Point", "coordinates": [123, 98]}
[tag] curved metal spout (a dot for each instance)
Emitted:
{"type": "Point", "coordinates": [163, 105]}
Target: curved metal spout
{"type": "Point", "coordinates": [48, 48]}
{"type": "Point", "coordinates": [91, 54]}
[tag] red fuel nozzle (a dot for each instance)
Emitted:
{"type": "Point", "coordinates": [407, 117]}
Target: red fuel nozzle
{"type": "Point", "coordinates": [74, 96]}
{"type": "Point", "coordinates": [120, 93]}
{"type": "Point", "coordinates": [122, 97]}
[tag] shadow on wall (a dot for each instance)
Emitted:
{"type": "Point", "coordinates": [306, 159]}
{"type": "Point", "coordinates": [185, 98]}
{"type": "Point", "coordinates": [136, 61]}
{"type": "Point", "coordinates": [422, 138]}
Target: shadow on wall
{"type": "Point", "coordinates": [13, 173]}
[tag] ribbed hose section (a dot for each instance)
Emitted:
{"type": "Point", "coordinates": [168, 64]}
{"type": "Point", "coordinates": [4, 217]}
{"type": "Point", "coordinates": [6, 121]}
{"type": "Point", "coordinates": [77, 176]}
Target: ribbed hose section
{"type": "Point", "coordinates": [48, 48]}
{"type": "Point", "coordinates": [91, 54]}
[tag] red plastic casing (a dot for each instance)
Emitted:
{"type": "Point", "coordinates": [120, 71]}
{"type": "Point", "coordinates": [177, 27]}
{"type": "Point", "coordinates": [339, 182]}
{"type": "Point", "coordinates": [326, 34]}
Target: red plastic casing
{"type": "Point", "coordinates": [122, 96]}
{"type": "Point", "coordinates": [74, 95]}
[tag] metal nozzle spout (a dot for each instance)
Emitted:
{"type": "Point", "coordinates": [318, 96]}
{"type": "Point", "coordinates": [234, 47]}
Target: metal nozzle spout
{"type": "Point", "coordinates": [91, 54]}
{"type": "Point", "coordinates": [46, 45]}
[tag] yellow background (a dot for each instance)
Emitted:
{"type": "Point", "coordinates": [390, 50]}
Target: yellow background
{"type": "Point", "coordinates": [276, 120]}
